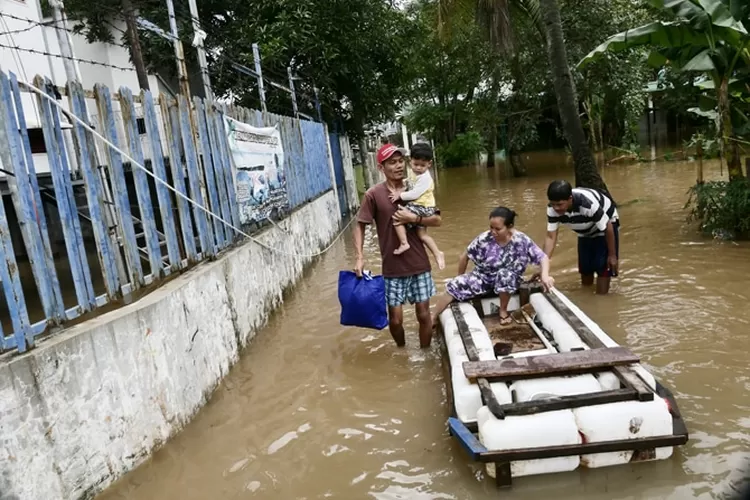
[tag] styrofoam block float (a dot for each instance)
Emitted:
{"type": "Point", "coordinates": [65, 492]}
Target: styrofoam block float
{"type": "Point", "coordinates": [543, 388]}
{"type": "Point", "coordinates": [477, 329]}
{"type": "Point", "coordinates": [625, 420]}
{"type": "Point", "coordinates": [608, 381]}
{"type": "Point", "coordinates": [491, 306]}
{"type": "Point", "coordinates": [466, 395]}
{"type": "Point", "coordinates": [555, 428]}
{"type": "Point", "coordinates": [567, 339]}
{"type": "Point", "coordinates": [526, 354]}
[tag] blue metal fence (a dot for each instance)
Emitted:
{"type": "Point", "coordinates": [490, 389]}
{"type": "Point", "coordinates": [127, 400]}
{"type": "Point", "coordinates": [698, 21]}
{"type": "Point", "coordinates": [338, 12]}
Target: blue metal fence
{"type": "Point", "coordinates": [140, 235]}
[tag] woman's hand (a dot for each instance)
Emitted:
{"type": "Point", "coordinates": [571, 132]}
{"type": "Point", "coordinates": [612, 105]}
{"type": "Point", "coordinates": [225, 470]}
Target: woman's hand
{"type": "Point", "coordinates": [548, 282]}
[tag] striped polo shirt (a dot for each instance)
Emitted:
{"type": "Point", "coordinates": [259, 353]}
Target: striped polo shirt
{"type": "Point", "coordinates": [588, 216]}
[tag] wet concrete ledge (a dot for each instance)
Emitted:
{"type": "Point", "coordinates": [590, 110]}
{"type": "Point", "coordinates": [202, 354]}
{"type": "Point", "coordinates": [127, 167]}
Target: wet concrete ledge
{"type": "Point", "coordinates": [96, 400]}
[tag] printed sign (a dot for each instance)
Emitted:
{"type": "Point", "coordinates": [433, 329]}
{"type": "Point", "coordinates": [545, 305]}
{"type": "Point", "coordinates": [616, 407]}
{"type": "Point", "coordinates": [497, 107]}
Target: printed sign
{"type": "Point", "coordinates": [259, 177]}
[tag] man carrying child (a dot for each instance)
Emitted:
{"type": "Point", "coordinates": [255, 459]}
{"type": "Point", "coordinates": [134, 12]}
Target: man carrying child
{"type": "Point", "coordinates": [408, 276]}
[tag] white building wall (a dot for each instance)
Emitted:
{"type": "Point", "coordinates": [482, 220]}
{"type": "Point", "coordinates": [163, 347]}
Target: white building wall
{"type": "Point", "coordinates": [26, 65]}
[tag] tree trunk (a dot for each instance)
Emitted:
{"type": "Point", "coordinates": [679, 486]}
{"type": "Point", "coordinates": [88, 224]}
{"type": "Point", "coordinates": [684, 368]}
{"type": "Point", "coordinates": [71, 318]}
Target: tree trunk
{"type": "Point", "coordinates": [135, 45]}
{"type": "Point", "coordinates": [589, 108]}
{"type": "Point", "coordinates": [491, 147]}
{"type": "Point", "coordinates": [585, 169]}
{"type": "Point", "coordinates": [516, 164]}
{"type": "Point", "coordinates": [729, 149]}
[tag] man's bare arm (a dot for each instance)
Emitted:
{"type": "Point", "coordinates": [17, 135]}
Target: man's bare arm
{"type": "Point", "coordinates": [549, 243]}
{"type": "Point", "coordinates": [359, 245]}
{"type": "Point", "coordinates": [404, 216]}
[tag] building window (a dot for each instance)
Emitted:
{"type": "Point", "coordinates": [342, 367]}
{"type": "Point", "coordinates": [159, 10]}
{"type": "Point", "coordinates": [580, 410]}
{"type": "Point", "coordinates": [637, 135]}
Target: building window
{"type": "Point", "coordinates": [141, 124]}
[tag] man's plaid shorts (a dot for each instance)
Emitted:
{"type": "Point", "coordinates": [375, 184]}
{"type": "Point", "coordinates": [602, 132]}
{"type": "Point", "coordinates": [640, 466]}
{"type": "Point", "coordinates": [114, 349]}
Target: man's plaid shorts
{"type": "Point", "coordinates": [412, 289]}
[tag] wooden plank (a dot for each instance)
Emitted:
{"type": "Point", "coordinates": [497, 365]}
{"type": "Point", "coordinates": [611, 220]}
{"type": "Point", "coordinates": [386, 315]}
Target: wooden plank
{"type": "Point", "coordinates": [630, 379]}
{"type": "Point", "coordinates": [550, 364]}
{"type": "Point", "coordinates": [121, 199]}
{"type": "Point", "coordinates": [193, 170]}
{"type": "Point", "coordinates": [469, 442]}
{"type": "Point", "coordinates": [87, 160]}
{"type": "Point", "coordinates": [226, 153]}
{"type": "Point", "coordinates": [568, 402]}
{"type": "Point", "coordinates": [503, 476]}
{"type": "Point", "coordinates": [221, 171]}
{"type": "Point", "coordinates": [57, 300]}
{"type": "Point", "coordinates": [143, 193]}
{"type": "Point", "coordinates": [471, 351]}
{"type": "Point", "coordinates": [162, 192]}
{"type": "Point", "coordinates": [209, 173]}
{"type": "Point", "coordinates": [582, 449]}
{"type": "Point", "coordinates": [172, 130]}
{"type": "Point", "coordinates": [60, 172]}
{"type": "Point", "coordinates": [14, 159]}
{"type": "Point", "coordinates": [465, 333]}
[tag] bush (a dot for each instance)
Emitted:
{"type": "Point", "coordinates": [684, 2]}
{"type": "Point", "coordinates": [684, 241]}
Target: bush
{"type": "Point", "coordinates": [722, 208]}
{"type": "Point", "coordinates": [462, 150]}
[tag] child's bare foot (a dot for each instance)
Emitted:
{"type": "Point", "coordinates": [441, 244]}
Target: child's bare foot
{"type": "Point", "coordinates": [440, 257]}
{"type": "Point", "coordinates": [403, 248]}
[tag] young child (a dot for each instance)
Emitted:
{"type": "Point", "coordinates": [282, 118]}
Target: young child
{"type": "Point", "coordinates": [420, 200]}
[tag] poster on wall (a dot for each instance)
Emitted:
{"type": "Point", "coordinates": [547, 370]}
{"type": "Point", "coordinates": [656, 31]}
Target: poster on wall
{"type": "Point", "coordinates": [259, 177]}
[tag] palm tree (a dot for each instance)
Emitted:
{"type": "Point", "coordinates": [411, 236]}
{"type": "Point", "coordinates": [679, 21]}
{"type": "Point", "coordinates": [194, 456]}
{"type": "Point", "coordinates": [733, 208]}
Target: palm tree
{"type": "Point", "coordinates": [586, 172]}
{"type": "Point", "coordinates": [706, 36]}
{"type": "Point", "coordinates": [494, 16]}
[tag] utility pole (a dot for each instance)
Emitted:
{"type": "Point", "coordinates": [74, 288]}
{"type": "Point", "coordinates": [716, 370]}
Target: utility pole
{"type": "Point", "coordinates": [291, 88]}
{"type": "Point", "coordinates": [72, 71]}
{"type": "Point", "coordinates": [46, 46]}
{"type": "Point", "coordinates": [178, 52]}
{"type": "Point", "coordinates": [317, 105]}
{"type": "Point", "coordinates": [259, 72]}
{"type": "Point", "coordinates": [198, 38]}
{"type": "Point", "coordinates": [135, 44]}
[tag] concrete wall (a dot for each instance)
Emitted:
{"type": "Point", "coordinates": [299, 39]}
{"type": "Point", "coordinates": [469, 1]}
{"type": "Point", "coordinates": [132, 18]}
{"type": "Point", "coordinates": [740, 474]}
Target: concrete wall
{"type": "Point", "coordinates": [91, 403]}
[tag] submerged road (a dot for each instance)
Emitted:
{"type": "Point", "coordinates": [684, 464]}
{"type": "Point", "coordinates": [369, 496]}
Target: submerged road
{"type": "Point", "coordinates": [315, 410]}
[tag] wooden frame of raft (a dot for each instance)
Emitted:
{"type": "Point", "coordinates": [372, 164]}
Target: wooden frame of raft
{"type": "Point", "coordinates": [598, 358]}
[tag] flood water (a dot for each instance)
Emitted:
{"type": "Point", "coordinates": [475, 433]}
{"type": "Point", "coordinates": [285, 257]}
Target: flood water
{"type": "Point", "coordinates": [315, 410]}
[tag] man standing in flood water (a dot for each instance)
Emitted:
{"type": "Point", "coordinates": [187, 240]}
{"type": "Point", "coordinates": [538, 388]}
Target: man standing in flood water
{"type": "Point", "coordinates": [408, 276]}
{"type": "Point", "coordinates": [593, 216]}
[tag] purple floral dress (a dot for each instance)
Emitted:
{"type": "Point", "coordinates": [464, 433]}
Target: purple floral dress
{"type": "Point", "coordinates": [497, 268]}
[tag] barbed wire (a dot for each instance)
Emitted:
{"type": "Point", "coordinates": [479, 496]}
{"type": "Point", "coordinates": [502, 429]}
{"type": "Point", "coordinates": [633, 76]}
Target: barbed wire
{"type": "Point", "coordinates": [59, 56]}
{"type": "Point", "coordinates": [301, 95]}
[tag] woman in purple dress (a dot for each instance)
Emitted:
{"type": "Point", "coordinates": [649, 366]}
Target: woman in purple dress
{"type": "Point", "coordinates": [500, 256]}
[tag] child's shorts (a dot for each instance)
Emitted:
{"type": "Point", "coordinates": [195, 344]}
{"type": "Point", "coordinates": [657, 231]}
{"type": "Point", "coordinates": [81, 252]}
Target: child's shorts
{"type": "Point", "coordinates": [421, 211]}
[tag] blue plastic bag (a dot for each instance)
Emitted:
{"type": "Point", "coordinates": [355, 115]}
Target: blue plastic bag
{"type": "Point", "coordinates": [362, 300]}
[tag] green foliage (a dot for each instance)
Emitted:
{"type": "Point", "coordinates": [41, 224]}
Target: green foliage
{"type": "Point", "coordinates": [356, 52]}
{"type": "Point", "coordinates": [447, 72]}
{"type": "Point", "coordinates": [703, 36]}
{"type": "Point", "coordinates": [704, 146]}
{"type": "Point", "coordinates": [464, 149]}
{"type": "Point", "coordinates": [721, 208]}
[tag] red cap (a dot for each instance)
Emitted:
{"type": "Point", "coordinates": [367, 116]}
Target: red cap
{"type": "Point", "coordinates": [388, 150]}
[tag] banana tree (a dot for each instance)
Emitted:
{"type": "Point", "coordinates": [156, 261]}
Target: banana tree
{"type": "Point", "coordinates": [706, 36]}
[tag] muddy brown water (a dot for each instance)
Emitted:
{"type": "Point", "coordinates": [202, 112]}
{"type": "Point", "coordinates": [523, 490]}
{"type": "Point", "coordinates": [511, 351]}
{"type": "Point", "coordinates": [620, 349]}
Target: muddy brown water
{"type": "Point", "coordinates": [315, 410]}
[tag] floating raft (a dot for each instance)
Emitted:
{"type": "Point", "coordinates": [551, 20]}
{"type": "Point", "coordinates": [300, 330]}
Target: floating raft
{"type": "Point", "coordinates": [551, 392]}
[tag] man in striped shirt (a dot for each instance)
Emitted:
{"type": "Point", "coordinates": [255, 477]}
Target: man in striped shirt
{"type": "Point", "coordinates": [593, 216]}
